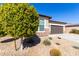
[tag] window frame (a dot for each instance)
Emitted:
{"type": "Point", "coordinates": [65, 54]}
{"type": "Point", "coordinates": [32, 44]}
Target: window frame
{"type": "Point", "coordinates": [41, 18]}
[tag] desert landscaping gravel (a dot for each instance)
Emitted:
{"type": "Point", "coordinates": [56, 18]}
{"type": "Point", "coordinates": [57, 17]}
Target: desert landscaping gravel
{"type": "Point", "coordinates": [66, 48]}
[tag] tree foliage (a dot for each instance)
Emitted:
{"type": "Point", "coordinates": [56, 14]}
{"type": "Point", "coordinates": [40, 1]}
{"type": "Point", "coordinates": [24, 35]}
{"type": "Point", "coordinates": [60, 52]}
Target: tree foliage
{"type": "Point", "coordinates": [18, 20]}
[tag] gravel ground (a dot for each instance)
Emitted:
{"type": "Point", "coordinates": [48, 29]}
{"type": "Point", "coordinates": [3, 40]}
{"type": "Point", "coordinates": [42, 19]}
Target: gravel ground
{"type": "Point", "coordinates": [7, 49]}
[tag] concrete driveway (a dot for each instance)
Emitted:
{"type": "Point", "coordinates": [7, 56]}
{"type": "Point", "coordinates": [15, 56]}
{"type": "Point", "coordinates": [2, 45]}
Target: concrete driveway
{"type": "Point", "coordinates": [72, 37]}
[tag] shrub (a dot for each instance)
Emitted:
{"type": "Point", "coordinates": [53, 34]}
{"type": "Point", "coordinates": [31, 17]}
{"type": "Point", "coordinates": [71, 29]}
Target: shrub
{"type": "Point", "coordinates": [50, 38]}
{"type": "Point", "coordinates": [46, 42]}
{"type": "Point", "coordinates": [55, 52]}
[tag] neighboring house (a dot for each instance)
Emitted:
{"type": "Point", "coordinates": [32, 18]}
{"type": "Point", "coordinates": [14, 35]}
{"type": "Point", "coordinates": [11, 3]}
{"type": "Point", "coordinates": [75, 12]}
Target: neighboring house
{"type": "Point", "coordinates": [69, 27]}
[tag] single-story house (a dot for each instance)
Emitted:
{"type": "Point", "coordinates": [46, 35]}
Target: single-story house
{"type": "Point", "coordinates": [48, 26]}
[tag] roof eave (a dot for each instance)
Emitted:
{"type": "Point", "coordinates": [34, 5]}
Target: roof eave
{"type": "Point", "coordinates": [45, 16]}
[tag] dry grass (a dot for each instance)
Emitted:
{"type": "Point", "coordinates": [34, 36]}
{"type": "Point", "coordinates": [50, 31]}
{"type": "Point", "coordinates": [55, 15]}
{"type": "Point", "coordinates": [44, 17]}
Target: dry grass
{"type": "Point", "coordinates": [46, 42]}
{"type": "Point", "coordinates": [50, 38]}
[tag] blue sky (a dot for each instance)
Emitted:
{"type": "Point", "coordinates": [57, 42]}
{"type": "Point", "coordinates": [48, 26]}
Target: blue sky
{"type": "Point", "coordinates": [67, 12]}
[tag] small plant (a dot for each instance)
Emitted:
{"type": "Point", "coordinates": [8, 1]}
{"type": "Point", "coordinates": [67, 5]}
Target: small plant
{"type": "Point", "coordinates": [55, 52]}
{"type": "Point", "coordinates": [46, 42]}
{"type": "Point", "coordinates": [50, 38]}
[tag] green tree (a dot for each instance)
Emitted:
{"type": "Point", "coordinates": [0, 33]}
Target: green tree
{"type": "Point", "coordinates": [18, 20]}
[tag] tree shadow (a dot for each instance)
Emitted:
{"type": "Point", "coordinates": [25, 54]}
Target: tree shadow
{"type": "Point", "coordinates": [31, 41]}
{"type": "Point", "coordinates": [8, 40]}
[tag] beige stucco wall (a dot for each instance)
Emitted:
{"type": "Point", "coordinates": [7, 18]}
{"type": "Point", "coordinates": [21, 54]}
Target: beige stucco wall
{"type": "Point", "coordinates": [68, 29]}
{"type": "Point", "coordinates": [46, 23]}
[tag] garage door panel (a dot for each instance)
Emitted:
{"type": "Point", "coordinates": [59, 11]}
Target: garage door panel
{"type": "Point", "coordinates": [56, 29]}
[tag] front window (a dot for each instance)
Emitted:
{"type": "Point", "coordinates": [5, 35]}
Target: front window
{"type": "Point", "coordinates": [41, 24]}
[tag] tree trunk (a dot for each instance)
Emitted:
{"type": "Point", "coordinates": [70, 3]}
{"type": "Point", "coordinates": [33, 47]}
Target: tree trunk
{"type": "Point", "coordinates": [21, 47]}
{"type": "Point", "coordinates": [15, 44]}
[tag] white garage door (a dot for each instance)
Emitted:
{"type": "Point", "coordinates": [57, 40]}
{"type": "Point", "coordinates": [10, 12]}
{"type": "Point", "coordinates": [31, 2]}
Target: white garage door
{"type": "Point", "coordinates": [56, 29]}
